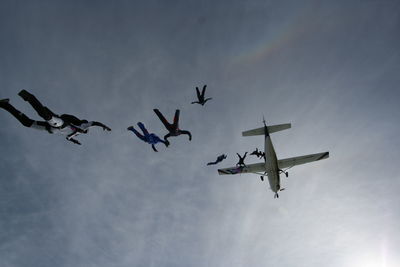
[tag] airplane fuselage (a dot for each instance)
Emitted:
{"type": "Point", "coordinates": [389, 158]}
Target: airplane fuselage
{"type": "Point", "coordinates": [271, 164]}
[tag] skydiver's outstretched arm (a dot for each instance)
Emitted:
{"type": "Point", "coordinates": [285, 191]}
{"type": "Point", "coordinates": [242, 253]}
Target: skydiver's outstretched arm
{"type": "Point", "coordinates": [188, 133]}
{"type": "Point", "coordinates": [74, 141]}
{"type": "Point", "coordinates": [166, 137]}
{"type": "Point", "coordinates": [212, 163]}
{"type": "Point", "coordinates": [70, 138]}
{"type": "Point", "coordinates": [166, 143]}
{"type": "Point", "coordinates": [162, 119]}
{"type": "Point", "coordinates": [207, 99]}
{"type": "Point", "coordinates": [195, 102]}
{"type": "Point", "coordinates": [99, 124]}
{"type": "Point", "coordinates": [82, 125]}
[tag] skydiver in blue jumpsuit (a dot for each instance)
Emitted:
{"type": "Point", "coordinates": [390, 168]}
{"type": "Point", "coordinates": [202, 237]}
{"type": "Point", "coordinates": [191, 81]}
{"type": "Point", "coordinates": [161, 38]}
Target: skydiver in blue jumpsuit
{"type": "Point", "coordinates": [147, 137]}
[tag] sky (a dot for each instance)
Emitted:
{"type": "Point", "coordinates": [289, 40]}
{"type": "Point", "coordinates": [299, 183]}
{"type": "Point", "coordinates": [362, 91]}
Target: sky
{"type": "Point", "coordinates": [331, 68]}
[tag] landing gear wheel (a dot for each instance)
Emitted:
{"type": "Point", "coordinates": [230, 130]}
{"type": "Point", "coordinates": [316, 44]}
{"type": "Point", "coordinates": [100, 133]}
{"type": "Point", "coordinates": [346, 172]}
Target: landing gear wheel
{"type": "Point", "coordinates": [287, 174]}
{"type": "Point", "coordinates": [262, 178]}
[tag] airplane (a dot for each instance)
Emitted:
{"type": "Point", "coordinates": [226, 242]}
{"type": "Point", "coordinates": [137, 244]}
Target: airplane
{"type": "Point", "coordinates": [272, 167]}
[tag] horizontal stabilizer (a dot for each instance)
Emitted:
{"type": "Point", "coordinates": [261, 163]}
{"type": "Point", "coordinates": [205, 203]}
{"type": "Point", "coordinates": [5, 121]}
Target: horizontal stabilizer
{"type": "Point", "coordinates": [271, 129]}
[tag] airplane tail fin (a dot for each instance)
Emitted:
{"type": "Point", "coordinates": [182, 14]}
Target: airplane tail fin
{"type": "Point", "coordinates": [271, 129]}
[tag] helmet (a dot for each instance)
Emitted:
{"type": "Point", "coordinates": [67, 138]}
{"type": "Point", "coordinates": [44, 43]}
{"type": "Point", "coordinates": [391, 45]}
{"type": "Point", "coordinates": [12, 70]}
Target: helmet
{"type": "Point", "coordinates": [55, 122]}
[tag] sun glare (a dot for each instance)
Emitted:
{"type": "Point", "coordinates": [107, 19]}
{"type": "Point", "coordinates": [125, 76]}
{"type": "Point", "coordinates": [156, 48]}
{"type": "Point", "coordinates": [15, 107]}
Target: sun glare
{"type": "Point", "coordinates": [377, 258]}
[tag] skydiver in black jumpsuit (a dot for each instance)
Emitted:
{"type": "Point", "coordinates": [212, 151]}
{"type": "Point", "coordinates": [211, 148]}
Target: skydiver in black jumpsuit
{"type": "Point", "coordinates": [173, 128]}
{"type": "Point", "coordinates": [219, 159]}
{"type": "Point", "coordinates": [64, 124]}
{"type": "Point", "coordinates": [241, 160]}
{"type": "Point", "coordinates": [200, 96]}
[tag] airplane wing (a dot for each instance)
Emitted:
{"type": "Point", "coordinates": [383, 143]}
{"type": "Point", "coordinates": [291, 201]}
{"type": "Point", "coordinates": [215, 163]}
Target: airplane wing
{"type": "Point", "coordinates": [249, 168]}
{"type": "Point", "coordinates": [290, 162]}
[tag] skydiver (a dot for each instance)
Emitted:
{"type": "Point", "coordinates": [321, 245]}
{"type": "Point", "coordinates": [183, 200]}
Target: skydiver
{"type": "Point", "coordinates": [241, 160]}
{"type": "Point", "coordinates": [219, 159]}
{"type": "Point", "coordinates": [65, 124]}
{"type": "Point", "coordinates": [256, 153]}
{"type": "Point", "coordinates": [173, 129]}
{"type": "Point", "coordinates": [200, 97]}
{"type": "Point", "coordinates": [147, 137]}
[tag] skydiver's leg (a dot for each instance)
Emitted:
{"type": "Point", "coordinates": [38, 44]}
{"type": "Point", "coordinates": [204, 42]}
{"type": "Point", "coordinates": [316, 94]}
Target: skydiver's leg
{"type": "Point", "coordinates": [188, 133]}
{"type": "Point", "coordinates": [239, 158]}
{"type": "Point", "coordinates": [141, 137]}
{"type": "Point", "coordinates": [176, 119]}
{"type": "Point", "coordinates": [204, 90]}
{"type": "Point", "coordinates": [43, 111]}
{"type": "Point", "coordinates": [162, 119]}
{"type": "Point", "coordinates": [198, 92]}
{"type": "Point", "coordinates": [143, 128]}
{"type": "Point", "coordinates": [21, 117]}
{"type": "Point", "coordinates": [99, 124]}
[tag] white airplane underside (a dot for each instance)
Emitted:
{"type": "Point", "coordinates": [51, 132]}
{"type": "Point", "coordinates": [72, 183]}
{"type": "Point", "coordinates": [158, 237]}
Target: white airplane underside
{"type": "Point", "coordinates": [272, 167]}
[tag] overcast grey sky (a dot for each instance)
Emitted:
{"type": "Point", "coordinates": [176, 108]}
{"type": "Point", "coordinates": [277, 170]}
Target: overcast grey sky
{"type": "Point", "coordinates": [331, 68]}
